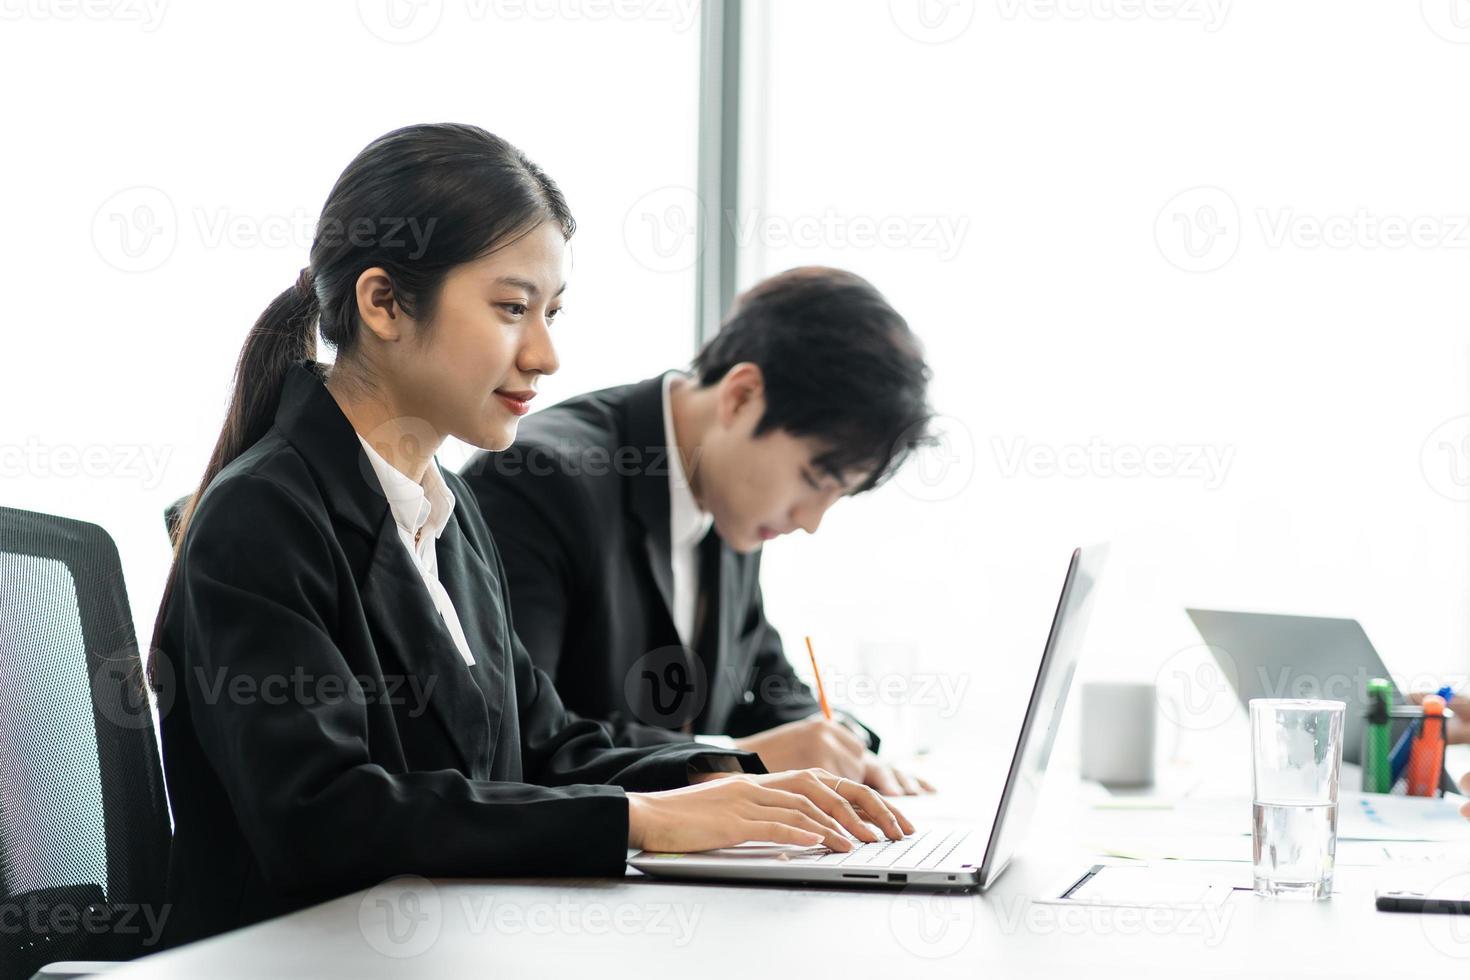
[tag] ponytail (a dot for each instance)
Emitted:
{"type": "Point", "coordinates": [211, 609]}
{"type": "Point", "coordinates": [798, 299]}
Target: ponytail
{"type": "Point", "coordinates": [284, 334]}
{"type": "Point", "coordinates": [416, 203]}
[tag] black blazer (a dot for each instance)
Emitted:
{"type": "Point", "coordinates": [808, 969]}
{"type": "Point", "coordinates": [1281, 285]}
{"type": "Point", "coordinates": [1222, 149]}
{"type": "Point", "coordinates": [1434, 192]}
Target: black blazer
{"type": "Point", "coordinates": [580, 507]}
{"type": "Point", "coordinates": [321, 732]}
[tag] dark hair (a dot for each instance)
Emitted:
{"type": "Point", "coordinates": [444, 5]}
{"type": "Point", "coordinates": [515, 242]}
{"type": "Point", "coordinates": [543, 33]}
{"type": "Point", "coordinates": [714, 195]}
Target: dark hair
{"type": "Point", "coordinates": [416, 202]}
{"type": "Point", "coordinates": [840, 365]}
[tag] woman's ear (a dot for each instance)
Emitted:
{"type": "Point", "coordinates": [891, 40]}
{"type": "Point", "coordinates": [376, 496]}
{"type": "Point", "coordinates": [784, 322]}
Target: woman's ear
{"type": "Point", "coordinates": [741, 396]}
{"type": "Point", "coordinates": [377, 305]}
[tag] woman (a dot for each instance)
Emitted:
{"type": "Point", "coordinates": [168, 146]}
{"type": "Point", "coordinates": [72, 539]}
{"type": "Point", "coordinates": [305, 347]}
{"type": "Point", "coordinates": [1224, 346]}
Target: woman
{"type": "Point", "coordinates": [346, 696]}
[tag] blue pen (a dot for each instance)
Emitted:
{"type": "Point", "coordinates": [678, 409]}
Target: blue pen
{"type": "Point", "coordinates": [1399, 757]}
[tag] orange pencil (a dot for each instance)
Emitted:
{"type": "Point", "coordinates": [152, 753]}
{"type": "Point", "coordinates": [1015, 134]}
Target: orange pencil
{"type": "Point", "coordinates": [816, 671]}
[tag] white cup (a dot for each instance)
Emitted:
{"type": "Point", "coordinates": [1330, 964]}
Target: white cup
{"type": "Point", "coordinates": [1118, 732]}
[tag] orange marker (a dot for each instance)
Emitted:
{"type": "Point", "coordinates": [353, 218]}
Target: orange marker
{"type": "Point", "coordinates": [821, 694]}
{"type": "Point", "coordinates": [1426, 756]}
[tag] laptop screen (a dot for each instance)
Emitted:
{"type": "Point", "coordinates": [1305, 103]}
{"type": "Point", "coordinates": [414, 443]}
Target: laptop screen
{"type": "Point", "coordinates": [1044, 712]}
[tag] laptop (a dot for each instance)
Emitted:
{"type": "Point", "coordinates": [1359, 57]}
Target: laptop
{"type": "Point", "coordinates": [1264, 655]}
{"type": "Point", "coordinates": [1269, 656]}
{"type": "Point", "coordinates": [944, 855]}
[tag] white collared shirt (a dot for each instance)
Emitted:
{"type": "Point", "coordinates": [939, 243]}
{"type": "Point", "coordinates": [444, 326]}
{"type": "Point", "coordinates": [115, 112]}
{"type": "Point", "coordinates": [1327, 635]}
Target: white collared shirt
{"type": "Point", "coordinates": [687, 527]}
{"type": "Point", "coordinates": [423, 509]}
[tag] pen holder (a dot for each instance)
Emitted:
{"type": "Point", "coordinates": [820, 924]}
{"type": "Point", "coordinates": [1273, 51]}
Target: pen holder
{"type": "Point", "coordinates": [1401, 719]}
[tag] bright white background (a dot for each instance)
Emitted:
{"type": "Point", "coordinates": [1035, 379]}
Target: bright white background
{"type": "Point", "coordinates": [1060, 136]}
{"type": "Point", "coordinates": [1098, 214]}
{"type": "Point", "coordinates": [235, 121]}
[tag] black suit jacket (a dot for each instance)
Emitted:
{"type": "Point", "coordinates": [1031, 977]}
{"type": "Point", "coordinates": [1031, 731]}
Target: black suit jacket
{"type": "Point", "coordinates": [580, 508]}
{"type": "Point", "coordinates": [321, 732]}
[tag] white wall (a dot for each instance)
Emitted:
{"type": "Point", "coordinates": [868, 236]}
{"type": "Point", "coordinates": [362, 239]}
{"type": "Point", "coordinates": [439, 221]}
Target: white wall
{"type": "Point", "coordinates": [235, 120]}
{"type": "Point", "coordinates": [1027, 166]}
{"type": "Point", "coordinates": [1059, 143]}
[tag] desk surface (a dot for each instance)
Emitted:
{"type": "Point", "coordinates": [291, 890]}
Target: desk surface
{"type": "Point", "coordinates": [636, 925]}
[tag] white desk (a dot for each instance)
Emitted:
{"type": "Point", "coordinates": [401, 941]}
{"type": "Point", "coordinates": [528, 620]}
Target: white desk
{"type": "Point", "coordinates": [639, 927]}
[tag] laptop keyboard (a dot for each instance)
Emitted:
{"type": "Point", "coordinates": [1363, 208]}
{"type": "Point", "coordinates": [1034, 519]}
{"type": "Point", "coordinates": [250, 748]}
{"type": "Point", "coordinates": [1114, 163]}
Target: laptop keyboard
{"type": "Point", "coordinates": [925, 849]}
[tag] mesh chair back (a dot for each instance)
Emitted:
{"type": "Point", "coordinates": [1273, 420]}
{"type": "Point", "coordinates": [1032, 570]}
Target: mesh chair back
{"type": "Point", "coordinates": [84, 829]}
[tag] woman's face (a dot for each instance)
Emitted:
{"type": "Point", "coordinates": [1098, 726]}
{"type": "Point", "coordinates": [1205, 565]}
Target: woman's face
{"type": "Point", "coordinates": [472, 371]}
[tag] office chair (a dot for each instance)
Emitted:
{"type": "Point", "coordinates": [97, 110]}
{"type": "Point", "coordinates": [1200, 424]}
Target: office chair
{"type": "Point", "coordinates": [84, 829]}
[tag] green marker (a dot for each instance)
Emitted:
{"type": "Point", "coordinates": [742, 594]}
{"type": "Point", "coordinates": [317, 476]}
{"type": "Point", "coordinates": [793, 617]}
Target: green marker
{"type": "Point", "coordinates": [1377, 774]}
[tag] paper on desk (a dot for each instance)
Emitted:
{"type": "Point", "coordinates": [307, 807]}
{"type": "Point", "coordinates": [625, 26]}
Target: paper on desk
{"type": "Point", "coordinates": [1175, 847]}
{"type": "Point", "coordinates": [1161, 887]}
{"type": "Point", "coordinates": [1376, 816]}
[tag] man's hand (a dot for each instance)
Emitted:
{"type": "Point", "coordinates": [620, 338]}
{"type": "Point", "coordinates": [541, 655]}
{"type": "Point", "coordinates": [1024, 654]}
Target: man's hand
{"type": "Point", "coordinates": [816, 743]}
{"type": "Point", "coordinates": [1457, 732]}
{"type": "Point", "coordinates": [813, 743]}
{"type": "Point", "coordinates": [892, 781]}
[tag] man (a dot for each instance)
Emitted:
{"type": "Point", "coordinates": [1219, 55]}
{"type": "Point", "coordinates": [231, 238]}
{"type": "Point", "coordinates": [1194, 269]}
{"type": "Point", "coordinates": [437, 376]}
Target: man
{"type": "Point", "coordinates": [630, 520]}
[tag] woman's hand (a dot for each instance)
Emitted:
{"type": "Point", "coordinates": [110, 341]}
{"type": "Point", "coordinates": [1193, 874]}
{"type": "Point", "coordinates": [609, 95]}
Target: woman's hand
{"type": "Point", "coordinates": [805, 807]}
